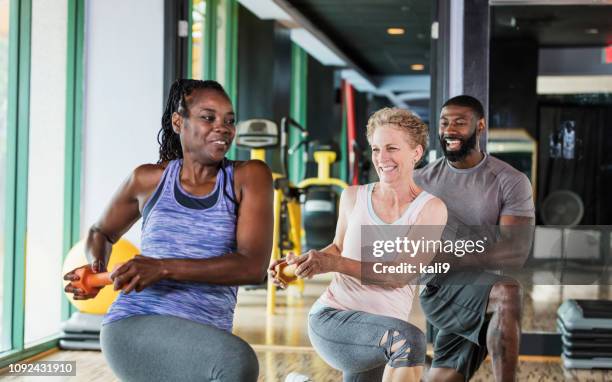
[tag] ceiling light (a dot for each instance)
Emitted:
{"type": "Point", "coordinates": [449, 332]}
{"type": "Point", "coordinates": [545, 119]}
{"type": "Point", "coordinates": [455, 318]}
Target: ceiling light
{"type": "Point", "coordinates": [315, 48]}
{"type": "Point", "coordinates": [591, 31]}
{"type": "Point", "coordinates": [265, 9]}
{"type": "Point", "coordinates": [395, 31]}
{"type": "Point", "coordinates": [417, 67]}
{"type": "Point", "coordinates": [357, 80]}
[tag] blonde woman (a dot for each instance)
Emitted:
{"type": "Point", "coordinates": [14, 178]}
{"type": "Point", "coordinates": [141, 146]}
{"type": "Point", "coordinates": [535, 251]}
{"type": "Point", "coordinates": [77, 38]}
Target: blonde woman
{"type": "Point", "coordinates": [362, 329]}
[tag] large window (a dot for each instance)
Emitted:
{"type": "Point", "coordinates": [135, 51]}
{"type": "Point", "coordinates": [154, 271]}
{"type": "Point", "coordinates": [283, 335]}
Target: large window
{"type": "Point", "coordinates": [198, 18]}
{"type": "Point", "coordinates": [40, 109]}
{"type": "Point", "coordinates": [4, 76]}
{"type": "Point", "coordinates": [46, 152]}
{"type": "Point", "coordinates": [213, 44]}
{"type": "Point", "coordinates": [213, 48]}
{"type": "Point", "coordinates": [221, 26]}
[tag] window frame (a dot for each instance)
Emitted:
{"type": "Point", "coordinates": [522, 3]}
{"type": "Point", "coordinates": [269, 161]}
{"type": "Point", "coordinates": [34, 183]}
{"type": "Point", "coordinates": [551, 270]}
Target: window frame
{"type": "Point", "coordinates": [210, 51]}
{"type": "Point", "coordinates": [14, 272]}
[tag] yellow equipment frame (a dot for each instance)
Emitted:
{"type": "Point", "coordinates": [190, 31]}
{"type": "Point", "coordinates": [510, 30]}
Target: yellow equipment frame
{"type": "Point", "coordinates": [295, 218]}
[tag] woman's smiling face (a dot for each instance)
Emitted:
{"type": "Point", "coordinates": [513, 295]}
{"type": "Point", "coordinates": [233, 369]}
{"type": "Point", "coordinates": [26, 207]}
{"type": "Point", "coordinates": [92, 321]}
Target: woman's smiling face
{"type": "Point", "coordinates": [208, 129]}
{"type": "Point", "coordinates": [392, 154]}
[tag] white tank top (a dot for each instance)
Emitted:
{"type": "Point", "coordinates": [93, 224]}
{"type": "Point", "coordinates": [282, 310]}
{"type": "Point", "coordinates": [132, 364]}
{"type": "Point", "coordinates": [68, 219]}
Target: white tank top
{"type": "Point", "coordinates": [346, 292]}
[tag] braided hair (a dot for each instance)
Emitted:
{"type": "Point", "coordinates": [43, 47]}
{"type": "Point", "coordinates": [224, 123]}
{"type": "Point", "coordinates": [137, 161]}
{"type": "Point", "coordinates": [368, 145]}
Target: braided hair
{"type": "Point", "coordinates": [169, 142]}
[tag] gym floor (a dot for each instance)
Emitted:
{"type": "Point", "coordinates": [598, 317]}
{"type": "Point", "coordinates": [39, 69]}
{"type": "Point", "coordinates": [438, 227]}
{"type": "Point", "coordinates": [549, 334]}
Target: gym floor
{"type": "Point", "coordinates": [282, 345]}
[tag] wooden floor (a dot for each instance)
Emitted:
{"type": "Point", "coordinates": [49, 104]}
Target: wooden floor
{"type": "Point", "coordinates": [542, 301]}
{"type": "Point", "coordinates": [275, 364]}
{"type": "Point", "coordinates": [282, 346]}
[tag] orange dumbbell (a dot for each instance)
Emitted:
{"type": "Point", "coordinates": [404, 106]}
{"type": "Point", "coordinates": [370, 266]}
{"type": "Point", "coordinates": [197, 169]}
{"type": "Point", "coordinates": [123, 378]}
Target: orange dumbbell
{"type": "Point", "coordinates": [285, 272]}
{"type": "Point", "coordinates": [88, 280]}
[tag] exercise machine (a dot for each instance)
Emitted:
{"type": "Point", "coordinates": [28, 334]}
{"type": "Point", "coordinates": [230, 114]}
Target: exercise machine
{"type": "Point", "coordinates": [258, 135]}
{"type": "Point", "coordinates": [320, 196]}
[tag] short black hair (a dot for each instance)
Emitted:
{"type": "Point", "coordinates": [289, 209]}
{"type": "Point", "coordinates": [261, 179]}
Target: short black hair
{"type": "Point", "coordinates": [467, 101]}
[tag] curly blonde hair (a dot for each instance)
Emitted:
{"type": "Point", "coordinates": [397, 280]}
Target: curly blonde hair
{"type": "Point", "coordinates": [417, 131]}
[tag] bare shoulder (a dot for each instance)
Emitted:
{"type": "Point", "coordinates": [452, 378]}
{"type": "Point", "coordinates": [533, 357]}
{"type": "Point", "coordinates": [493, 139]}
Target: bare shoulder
{"type": "Point", "coordinates": [435, 204]}
{"type": "Point", "coordinates": [348, 199]}
{"type": "Point", "coordinates": [349, 194]}
{"type": "Point", "coordinates": [250, 170]}
{"type": "Point", "coordinates": [253, 175]}
{"type": "Point", "coordinates": [434, 212]}
{"type": "Point", "coordinates": [146, 177]}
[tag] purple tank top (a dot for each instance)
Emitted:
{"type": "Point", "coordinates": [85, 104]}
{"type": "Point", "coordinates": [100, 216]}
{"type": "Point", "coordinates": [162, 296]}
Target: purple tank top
{"type": "Point", "coordinates": [179, 225]}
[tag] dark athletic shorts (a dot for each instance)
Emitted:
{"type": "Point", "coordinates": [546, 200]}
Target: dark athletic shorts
{"type": "Point", "coordinates": [456, 305]}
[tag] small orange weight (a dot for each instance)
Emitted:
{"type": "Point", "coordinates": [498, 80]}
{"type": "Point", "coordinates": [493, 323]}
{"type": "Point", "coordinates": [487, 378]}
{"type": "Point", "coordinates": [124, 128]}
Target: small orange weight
{"type": "Point", "coordinates": [88, 280]}
{"type": "Point", "coordinates": [285, 272]}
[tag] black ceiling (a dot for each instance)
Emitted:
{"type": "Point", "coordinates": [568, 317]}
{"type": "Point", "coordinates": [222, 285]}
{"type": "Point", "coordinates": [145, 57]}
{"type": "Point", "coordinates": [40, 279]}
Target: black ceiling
{"type": "Point", "coordinates": [555, 25]}
{"type": "Point", "coordinates": [359, 28]}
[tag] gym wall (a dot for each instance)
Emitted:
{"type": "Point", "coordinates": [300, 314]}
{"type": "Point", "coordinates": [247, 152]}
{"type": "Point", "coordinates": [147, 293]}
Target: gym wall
{"type": "Point", "coordinates": [324, 109]}
{"type": "Point", "coordinates": [123, 103]}
{"type": "Point", "coordinates": [264, 72]}
{"type": "Point", "coordinates": [513, 79]}
{"type": "Point", "coordinates": [323, 123]}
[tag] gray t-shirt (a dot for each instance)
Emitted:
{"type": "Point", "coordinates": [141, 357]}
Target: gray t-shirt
{"type": "Point", "coordinates": [478, 196]}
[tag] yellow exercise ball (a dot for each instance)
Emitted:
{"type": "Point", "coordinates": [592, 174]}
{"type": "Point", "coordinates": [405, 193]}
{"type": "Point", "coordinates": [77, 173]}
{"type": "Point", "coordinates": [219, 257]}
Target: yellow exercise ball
{"type": "Point", "coordinates": [122, 251]}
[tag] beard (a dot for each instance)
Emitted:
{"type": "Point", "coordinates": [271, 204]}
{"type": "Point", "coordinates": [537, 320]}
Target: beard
{"type": "Point", "coordinates": [467, 145]}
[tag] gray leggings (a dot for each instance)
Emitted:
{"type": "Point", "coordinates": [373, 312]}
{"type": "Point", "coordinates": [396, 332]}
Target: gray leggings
{"type": "Point", "coordinates": [166, 348]}
{"type": "Point", "coordinates": [361, 344]}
